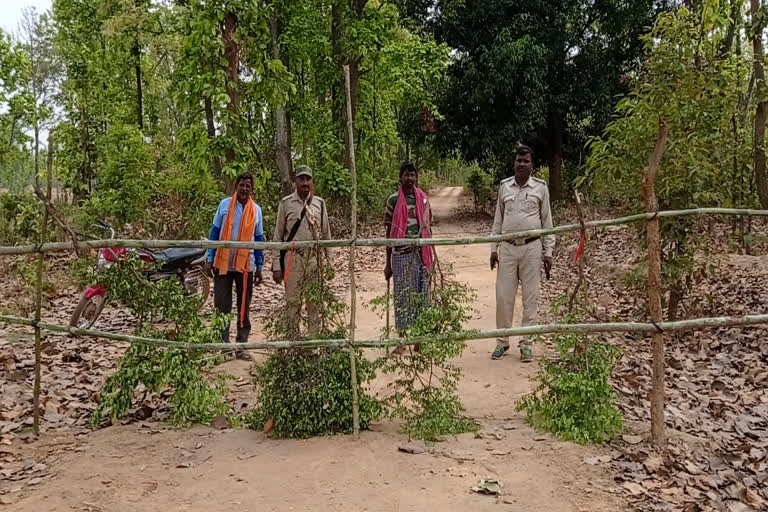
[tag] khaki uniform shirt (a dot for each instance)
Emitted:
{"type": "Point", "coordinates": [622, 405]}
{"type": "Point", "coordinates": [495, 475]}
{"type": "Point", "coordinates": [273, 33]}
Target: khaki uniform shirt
{"type": "Point", "coordinates": [289, 211]}
{"type": "Point", "coordinates": [523, 208]}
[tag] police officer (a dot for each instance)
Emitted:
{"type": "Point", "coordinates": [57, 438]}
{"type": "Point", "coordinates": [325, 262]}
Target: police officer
{"type": "Point", "coordinates": [301, 216]}
{"type": "Point", "coordinates": [523, 204]}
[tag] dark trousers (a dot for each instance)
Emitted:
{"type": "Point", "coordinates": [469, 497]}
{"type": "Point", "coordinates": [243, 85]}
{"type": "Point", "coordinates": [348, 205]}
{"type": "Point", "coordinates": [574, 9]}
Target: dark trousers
{"type": "Point", "coordinates": [222, 301]}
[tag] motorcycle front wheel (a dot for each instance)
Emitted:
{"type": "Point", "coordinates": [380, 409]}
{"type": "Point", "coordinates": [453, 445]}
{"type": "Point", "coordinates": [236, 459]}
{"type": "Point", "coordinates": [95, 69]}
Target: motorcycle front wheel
{"type": "Point", "coordinates": [87, 311]}
{"type": "Point", "coordinates": [198, 284]}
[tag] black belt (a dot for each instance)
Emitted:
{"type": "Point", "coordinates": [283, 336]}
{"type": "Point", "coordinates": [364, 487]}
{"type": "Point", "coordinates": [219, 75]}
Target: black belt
{"type": "Point", "coordinates": [522, 241]}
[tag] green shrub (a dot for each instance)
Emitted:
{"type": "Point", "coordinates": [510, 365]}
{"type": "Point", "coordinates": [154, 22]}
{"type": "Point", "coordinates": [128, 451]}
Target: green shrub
{"type": "Point", "coordinates": [574, 399]}
{"type": "Point", "coordinates": [127, 180]}
{"type": "Point", "coordinates": [193, 398]}
{"type": "Point", "coordinates": [427, 180]}
{"type": "Point", "coordinates": [480, 185]}
{"type": "Point", "coordinates": [372, 193]}
{"type": "Point", "coordinates": [424, 394]}
{"type": "Point", "coordinates": [308, 392]}
{"type": "Point", "coordinates": [452, 171]}
{"type": "Point", "coordinates": [20, 218]}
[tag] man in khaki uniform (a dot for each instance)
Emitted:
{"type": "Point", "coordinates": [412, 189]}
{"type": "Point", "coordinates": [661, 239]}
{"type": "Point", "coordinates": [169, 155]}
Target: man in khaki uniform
{"type": "Point", "coordinates": [523, 204]}
{"type": "Point", "coordinates": [305, 216]}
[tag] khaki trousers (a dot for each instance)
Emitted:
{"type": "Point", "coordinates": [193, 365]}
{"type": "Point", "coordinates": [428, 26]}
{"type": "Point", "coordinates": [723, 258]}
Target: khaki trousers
{"type": "Point", "coordinates": [517, 264]}
{"type": "Point", "coordinates": [303, 269]}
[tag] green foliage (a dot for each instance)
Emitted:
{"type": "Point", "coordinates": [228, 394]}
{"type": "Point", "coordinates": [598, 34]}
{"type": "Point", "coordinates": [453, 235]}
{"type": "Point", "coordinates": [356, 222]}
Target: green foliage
{"type": "Point", "coordinates": [424, 393]}
{"type": "Point", "coordinates": [574, 399]}
{"type": "Point", "coordinates": [126, 183]}
{"type": "Point", "coordinates": [189, 118]}
{"type": "Point", "coordinates": [373, 189]}
{"type": "Point", "coordinates": [452, 171]}
{"type": "Point", "coordinates": [26, 268]}
{"type": "Point", "coordinates": [427, 180]}
{"type": "Point", "coordinates": [193, 398]}
{"type": "Point", "coordinates": [698, 91]}
{"type": "Point", "coordinates": [16, 111]}
{"type": "Point", "coordinates": [480, 185]}
{"type": "Point", "coordinates": [334, 182]}
{"type": "Point", "coordinates": [532, 71]}
{"type": "Point", "coordinates": [308, 392]}
{"type": "Point", "coordinates": [21, 217]}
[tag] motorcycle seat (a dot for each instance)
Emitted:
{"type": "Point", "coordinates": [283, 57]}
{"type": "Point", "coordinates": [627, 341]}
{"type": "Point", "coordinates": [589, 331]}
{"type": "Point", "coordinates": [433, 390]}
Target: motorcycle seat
{"type": "Point", "coordinates": [175, 254]}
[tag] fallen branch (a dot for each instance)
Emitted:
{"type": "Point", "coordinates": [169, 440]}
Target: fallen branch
{"type": "Point", "coordinates": [51, 209]}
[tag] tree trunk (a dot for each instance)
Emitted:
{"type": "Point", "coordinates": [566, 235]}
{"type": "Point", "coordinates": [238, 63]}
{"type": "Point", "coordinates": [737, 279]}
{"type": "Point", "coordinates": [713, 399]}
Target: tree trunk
{"type": "Point", "coordinates": [341, 58]}
{"type": "Point", "coordinates": [37, 150]}
{"type": "Point", "coordinates": [231, 51]}
{"type": "Point", "coordinates": [211, 126]}
{"type": "Point", "coordinates": [139, 95]}
{"type": "Point", "coordinates": [758, 142]}
{"type": "Point", "coordinates": [79, 193]}
{"type": "Point", "coordinates": [654, 287]}
{"type": "Point", "coordinates": [354, 85]}
{"type": "Point", "coordinates": [555, 156]}
{"type": "Point", "coordinates": [675, 296]}
{"type": "Point", "coordinates": [337, 91]}
{"type": "Point", "coordinates": [735, 21]}
{"type": "Point", "coordinates": [282, 118]}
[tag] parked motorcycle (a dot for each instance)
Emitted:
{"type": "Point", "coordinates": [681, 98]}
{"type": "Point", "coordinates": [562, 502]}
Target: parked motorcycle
{"type": "Point", "coordinates": [186, 265]}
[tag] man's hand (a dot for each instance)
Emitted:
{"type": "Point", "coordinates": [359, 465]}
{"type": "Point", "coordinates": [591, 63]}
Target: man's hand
{"type": "Point", "coordinates": [494, 260]}
{"type": "Point", "coordinates": [277, 275]}
{"type": "Point", "coordinates": [208, 268]}
{"type": "Point", "coordinates": [388, 271]}
{"type": "Point", "coordinates": [258, 278]}
{"type": "Point", "coordinates": [547, 263]}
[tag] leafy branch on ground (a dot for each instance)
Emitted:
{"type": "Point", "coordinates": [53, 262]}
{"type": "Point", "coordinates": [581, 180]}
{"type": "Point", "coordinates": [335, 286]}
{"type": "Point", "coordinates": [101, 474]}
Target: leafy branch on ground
{"type": "Point", "coordinates": [149, 369]}
{"type": "Point", "coordinates": [574, 399]}
{"type": "Point", "coordinates": [308, 392]}
{"type": "Point", "coordinates": [424, 394]}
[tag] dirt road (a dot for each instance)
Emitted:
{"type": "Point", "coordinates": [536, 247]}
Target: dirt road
{"type": "Point", "coordinates": [155, 468]}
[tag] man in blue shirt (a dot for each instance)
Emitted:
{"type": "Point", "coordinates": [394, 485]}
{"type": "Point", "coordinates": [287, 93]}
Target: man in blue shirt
{"type": "Point", "coordinates": [226, 226]}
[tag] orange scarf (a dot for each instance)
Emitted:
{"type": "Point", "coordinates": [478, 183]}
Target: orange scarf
{"type": "Point", "coordinates": [242, 260]}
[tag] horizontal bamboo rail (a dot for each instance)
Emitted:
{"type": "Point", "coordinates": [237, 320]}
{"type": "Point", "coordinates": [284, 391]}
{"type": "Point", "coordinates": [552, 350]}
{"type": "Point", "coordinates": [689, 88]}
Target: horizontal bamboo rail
{"type": "Point", "coordinates": [682, 325]}
{"type": "Point", "coordinates": [373, 242]}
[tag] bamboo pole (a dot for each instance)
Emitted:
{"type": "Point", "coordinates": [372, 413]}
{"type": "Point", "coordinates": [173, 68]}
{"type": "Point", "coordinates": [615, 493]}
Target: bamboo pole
{"type": "Point", "coordinates": [372, 242]}
{"type": "Point", "coordinates": [39, 296]}
{"type": "Point", "coordinates": [352, 255]}
{"type": "Point", "coordinates": [654, 287]}
{"type": "Point", "coordinates": [586, 328]}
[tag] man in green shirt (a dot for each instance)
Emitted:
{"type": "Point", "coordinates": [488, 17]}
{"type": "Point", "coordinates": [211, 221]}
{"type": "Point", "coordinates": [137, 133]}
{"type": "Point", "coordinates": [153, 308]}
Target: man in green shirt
{"type": "Point", "coordinates": [409, 216]}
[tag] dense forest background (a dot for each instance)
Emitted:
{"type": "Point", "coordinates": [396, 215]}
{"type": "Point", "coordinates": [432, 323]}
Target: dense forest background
{"type": "Point", "coordinates": [151, 107]}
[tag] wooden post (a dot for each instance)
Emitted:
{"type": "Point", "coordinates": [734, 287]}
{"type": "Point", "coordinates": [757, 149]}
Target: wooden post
{"type": "Point", "coordinates": [39, 299]}
{"type": "Point", "coordinates": [654, 286]}
{"type": "Point", "coordinates": [352, 253]}
{"type": "Point", "coordinates": [579, 257]}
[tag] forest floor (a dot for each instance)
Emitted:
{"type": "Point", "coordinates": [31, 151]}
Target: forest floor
{"type": "Point", "coordinates": [716, 458]}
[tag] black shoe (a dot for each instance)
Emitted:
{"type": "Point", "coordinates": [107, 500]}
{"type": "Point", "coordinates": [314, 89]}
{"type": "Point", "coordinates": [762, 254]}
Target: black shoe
{"type": "Point", "coordinates": [499, 352]}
